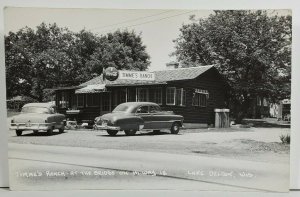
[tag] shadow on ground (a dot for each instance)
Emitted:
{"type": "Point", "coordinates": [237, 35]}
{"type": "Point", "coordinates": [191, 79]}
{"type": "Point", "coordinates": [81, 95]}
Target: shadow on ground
{"type": "Point", "coordinates": [122, 134]}
{"type": "Point", "coordinates": [266, 123]}
{"type": "Point", "coordinates": [42, 134]}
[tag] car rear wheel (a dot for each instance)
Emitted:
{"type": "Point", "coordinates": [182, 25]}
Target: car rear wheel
{"type": "Point", "coordinates": [112, 132]}
{"type": "Point", "coordinates": [50, 131]}
{"type": "Point", "coordinates": [130, 132]}
{"type": "Point", "coordinates": [156, 132]}
{"type": "Point", "coordinates": [175, 128]}
{"type": "Point", "coordinates": [19, 132]}
{"type": "Point", "coordinates": [61, 130]}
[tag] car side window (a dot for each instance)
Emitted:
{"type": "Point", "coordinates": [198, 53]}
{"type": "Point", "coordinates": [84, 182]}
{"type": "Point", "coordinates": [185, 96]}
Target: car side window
{"type": "Point", "coordinates": [52, 110]}
{"type": "Point", "coordinates": [154, 109]}
{"type": "Point", "coordinates": [143, 110]}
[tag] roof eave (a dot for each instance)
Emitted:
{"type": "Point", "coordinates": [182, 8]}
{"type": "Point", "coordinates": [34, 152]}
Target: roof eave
{"type": "Point", "coordinates": [135, 84]}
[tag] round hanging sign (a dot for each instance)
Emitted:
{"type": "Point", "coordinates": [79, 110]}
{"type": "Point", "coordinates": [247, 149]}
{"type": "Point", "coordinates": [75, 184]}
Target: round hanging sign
{"type": "Point", "coordinates": [111, 73]}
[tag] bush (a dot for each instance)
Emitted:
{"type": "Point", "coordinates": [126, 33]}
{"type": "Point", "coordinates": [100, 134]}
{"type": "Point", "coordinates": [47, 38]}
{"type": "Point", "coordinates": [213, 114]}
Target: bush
{"type": "Point", "coordinates": [285, 139]}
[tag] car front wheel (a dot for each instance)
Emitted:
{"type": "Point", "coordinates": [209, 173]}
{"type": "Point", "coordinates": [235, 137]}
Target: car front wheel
{"type": "Point", "coordinates": [175, 128]}
{"type": "Point", "coordinates": [19, 132]}
{"type": "Point", "coordinates": [112, 132]}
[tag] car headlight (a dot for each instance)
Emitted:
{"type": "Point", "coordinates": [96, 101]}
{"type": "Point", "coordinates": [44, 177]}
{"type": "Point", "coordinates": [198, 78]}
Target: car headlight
{"type": "Point", "coordinates": [98, 120]}
{"type": "Point", "coordinates": [12, 121]}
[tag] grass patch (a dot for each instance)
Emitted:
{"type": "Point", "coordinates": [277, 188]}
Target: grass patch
{"type": "Point", "coordinates": [285, 139]}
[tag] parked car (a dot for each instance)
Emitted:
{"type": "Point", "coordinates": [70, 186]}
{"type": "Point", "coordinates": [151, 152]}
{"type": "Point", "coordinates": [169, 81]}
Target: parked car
{"type": "Point", "coordinates": [131, 117]}
{"type": "Point", "coordinates": [38, 117]}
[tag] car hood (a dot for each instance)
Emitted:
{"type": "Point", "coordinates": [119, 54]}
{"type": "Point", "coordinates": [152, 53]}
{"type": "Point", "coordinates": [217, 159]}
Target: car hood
{"type": "Point", "coordinates": [32, 117]}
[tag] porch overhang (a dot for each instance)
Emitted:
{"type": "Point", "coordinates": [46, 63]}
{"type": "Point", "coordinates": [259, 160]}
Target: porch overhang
{"type": "Point", "coordinates": [90, 89]}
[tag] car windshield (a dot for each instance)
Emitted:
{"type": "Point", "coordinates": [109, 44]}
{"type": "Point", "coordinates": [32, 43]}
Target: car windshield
{"type": "Point", "coordinates": [121, 108]}
{"type": "Point", "coordinates": [40, 110]}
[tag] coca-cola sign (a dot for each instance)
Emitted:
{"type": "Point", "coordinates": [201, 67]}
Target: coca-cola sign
{"type": "Point", "coordinates": [111, 73]}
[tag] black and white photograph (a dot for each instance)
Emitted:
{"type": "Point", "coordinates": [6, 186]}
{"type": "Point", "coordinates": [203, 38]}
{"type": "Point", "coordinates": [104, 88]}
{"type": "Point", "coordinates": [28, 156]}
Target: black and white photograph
{"type": "Point", "coordinates": [148, 99]}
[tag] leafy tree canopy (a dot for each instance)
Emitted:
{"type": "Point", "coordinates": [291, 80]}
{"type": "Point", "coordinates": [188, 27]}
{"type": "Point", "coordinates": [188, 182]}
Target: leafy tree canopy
{"type": "Point", "coordinates": [252, 49]}
{"type": "Point", "coordinates": [51, 56]}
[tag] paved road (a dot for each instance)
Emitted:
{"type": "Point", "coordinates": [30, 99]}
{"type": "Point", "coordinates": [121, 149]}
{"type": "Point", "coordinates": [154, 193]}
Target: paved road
{"type": "Point", "coordinates": [87, 168]}
{"type": "Point", "coordinates": [255, 144]}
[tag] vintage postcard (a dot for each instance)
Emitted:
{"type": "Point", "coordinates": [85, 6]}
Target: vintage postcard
{"type": "Point", "coordinates": [148, 99]}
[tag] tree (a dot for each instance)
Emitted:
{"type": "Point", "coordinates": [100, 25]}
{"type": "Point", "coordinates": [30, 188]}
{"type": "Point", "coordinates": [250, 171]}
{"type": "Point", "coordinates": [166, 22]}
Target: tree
{"type": "Point", "coordinates": [51, 56]}
{"type": "Point", "coordinates": [122, 50]}
{"type": "Point", "coordinates": [36, 60]}
{"type": "Point", "coordinates": [252, 49]}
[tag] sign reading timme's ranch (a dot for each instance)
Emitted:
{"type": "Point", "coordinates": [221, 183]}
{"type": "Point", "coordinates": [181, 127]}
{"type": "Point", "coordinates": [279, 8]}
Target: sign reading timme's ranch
{"type": "Point", "coordinates": [148, 99]}
{"type": "Point", "coordinates": [113, 74]}
{"type": "Point", "coordinates": [137, 75]}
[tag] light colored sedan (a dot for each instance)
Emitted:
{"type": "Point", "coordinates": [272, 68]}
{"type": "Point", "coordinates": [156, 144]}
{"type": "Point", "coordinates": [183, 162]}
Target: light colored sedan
{"type": "Point", "coordinates": [38, 117]}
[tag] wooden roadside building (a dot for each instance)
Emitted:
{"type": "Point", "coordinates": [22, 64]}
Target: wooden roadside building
{"type": "Point", "coordinates": [192, 92]}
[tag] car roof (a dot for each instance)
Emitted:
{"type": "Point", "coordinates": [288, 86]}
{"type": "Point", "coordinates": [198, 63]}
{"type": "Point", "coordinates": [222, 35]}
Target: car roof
{"type": "Point", "coordinates": [132, 106]}
{"type": "Point", "coordinates": [47, 105]}
{"type": "Point", "coordinates": [136, 104]}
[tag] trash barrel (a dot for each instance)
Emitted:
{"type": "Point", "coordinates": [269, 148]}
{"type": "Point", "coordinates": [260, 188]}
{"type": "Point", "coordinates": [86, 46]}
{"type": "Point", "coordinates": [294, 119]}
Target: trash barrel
{"type": "Point", "coordinates": [222, 118]}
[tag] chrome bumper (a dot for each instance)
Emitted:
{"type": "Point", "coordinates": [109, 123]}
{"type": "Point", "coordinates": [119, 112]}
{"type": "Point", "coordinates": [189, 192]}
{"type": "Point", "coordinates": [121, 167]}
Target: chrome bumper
{"type": "Point", "coordinates": [106, 127]}
{"type": "Point", "coordinates": [31, 126]}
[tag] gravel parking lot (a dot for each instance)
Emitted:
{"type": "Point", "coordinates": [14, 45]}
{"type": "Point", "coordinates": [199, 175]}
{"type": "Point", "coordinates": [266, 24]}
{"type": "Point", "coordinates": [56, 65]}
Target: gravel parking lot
{"type": "Point", "coordinates": [255, 144]}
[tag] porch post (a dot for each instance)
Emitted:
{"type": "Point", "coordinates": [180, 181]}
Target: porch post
{"type": "Point", "coordinates": [126, 95]}
{"type": "Point", "coordinates": [136, 94]}
{"type": "Point", "coordinates": [110, 101]}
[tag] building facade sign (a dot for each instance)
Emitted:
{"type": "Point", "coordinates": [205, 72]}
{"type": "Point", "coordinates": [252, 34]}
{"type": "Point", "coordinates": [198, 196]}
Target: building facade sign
{"type": "Point", "coordinates": [136, 75]}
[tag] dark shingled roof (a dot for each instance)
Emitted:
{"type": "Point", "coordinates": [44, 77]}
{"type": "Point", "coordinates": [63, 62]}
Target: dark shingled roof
{"type": "Point", "coordinates": [161, 77]}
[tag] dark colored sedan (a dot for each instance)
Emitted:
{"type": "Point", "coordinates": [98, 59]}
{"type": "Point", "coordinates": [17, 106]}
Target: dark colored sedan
{"type": "Point", "coordinates": [134, 116]}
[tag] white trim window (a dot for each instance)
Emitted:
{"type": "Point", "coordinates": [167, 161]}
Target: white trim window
{"type": "Point", "coordinates": [200, 98]}
{"type": "Point", "coordinates": [265, 102]}
{"type": "Point", "coordinates": [181, 97]}
{"type": "Point", "coordinates": [64, 100]}
{"type": "Point", "coordinates": [171, 96]}
{"type": "Point", "coordinates": [258, 101]}
{"type": "Point", "coordinates": [142, 94]}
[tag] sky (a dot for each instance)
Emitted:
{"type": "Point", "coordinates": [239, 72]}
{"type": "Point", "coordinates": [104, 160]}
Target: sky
{"type": "Point", "coordinates": [158, 28]}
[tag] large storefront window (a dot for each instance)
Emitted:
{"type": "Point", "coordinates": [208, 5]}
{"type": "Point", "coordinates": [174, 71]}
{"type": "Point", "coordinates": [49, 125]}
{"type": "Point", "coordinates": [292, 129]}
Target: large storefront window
{"type": "Point", "coordinates": [158, 96]}
{"type": "Point", "coordinates": [171, 95]}
{"type": "Point", "coordinates": [131, 94]}
{"type": "Point", "coordinates": [142, 94]}
{"type": "Point", "coordinates": [119, 96]}
{"type": "Point", "coordinates": [180, 97]}
{"type": "Point", "coordinates": [63, 100]}
{"type": "Point", "coordinates": [200, 98]}
{"type": "Point", "coordinates": [105, 101]}
{"type": "Point", "coordinates": [155, 95]}
{"type": "Point", "coordinates": [80, 100]}
{"type": "Point", "coordinates": [92, 100]}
